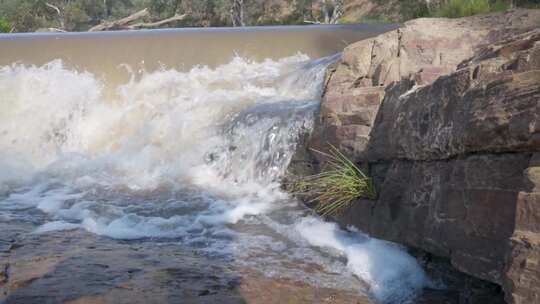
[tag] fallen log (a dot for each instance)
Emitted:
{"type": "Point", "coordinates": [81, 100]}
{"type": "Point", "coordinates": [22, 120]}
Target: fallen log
{"type": "Point", "coordinates": [124, 23]}
{"type": "Point", "coordinates": [51, 30]}
{"type": "Point", "coordinates": [121, 23]}
{"type": "Point", "coordinates": [157, 23]}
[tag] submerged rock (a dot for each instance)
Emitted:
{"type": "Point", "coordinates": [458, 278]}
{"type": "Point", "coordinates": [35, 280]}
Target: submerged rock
{"type": "Point", "coordinates": [78, 267]}
{"type": "Point", "coordinates": [446, 116]}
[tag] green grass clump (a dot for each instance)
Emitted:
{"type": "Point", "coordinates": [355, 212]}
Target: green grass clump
{"type": "Point", "coordinates": [5, 27]}
{"type": "Point", "coordinates": [335, 188]}
{"type": "Point", "coordinates": [464, 8]}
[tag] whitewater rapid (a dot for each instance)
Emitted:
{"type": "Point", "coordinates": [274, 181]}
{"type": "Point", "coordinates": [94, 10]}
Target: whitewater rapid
{"type": "Point", "coordinates": [192, 156]}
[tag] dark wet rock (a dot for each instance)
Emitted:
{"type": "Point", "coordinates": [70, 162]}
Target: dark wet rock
{"type": "Point", "coordinates": [6, 245]}
{"type": "Point", "coordinates": [488, 107]}
{"type": "Point", "coordinates": [453, 286]}
{"type": "Point", "coordinates": [464, 156]}
{"type": "Point", "coordinates": [451, 209]}
{"type": "Point", "coordinates": [203, 293]}
{"type": "Point", "coordinates": [77, 267]}
{"type": "Point", "coordinates": [448, 124]}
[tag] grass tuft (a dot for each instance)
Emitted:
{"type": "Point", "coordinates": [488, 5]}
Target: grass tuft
{"type": "Point", "coordinates": [5, 27]}
{"type": "Point", "coordinates": [335, 188]}
{"type": "Point", "coordinates": [464, 8]}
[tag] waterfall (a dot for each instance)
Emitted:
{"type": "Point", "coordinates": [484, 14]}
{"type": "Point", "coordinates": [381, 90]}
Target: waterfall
{"type": "Point", "coordinates": [193, 157]}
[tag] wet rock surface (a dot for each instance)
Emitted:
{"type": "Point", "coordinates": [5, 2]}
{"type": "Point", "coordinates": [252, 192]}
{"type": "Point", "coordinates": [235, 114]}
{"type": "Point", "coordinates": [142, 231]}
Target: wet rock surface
{"type": "Point", "coordinates": [78, 267]}
{"type": "Point", "coordinates": [447, 123]}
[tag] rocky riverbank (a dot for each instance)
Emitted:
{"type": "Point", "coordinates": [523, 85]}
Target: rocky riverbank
{"type": "Point", "coordinates": [78, 267]}
{"type": "Point", "coordinates": [445, 115]}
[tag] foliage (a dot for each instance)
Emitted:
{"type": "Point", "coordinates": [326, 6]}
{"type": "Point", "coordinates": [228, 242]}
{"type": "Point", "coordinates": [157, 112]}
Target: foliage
{"type": "Point", "coordinates": [336, 188]}
{"type": "Point", "coordinates": [463, 8]}
{"type": "Point", "coordinates": [527, 3]}
{"type": "Point", "coordinates": [5, 27]}
{"type": "Point", "coordinates": [413, 9]}
{"type": "Point", "coordinates": [80, 15]}
{"type": "Point", "coordinates": [366, 19]}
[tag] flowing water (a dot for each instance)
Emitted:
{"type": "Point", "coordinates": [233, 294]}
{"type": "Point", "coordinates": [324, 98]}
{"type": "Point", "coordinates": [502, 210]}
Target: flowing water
{"type": "Point", "coordinates": [190, 158]}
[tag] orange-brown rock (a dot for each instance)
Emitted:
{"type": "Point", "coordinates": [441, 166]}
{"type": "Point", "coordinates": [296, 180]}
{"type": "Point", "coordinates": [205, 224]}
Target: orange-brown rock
{"type": "Point", "coordinates": [422, 50]}
{"type": "Point", "coordinates": [445, 114]}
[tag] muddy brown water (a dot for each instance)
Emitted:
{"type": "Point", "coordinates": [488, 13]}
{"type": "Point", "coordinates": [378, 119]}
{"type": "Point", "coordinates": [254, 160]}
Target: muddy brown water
{"type": "Point", "coordinates": [105, 53]}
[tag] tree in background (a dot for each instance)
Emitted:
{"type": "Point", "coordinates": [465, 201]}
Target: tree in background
{"type": "Point", "coordinates": [22, 15]}
{"type": "Point", "coordinates": [68, 15]}
{"type": "Point", "coordinates": [463, 8]}
{"type": "Point", "coordinates": [5, 27]}
{"type": "Point", "coordinates": [81, 15]}
{"type": "Point", "coordinates": [332, 10]}
{"type": "Point", "coordinates": [323, 11]}
{"type": "Point", "coordinates": [237, 13]}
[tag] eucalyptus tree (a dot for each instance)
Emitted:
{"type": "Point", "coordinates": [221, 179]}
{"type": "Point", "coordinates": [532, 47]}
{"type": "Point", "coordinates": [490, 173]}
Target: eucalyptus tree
{"type": "Point", "coordinates": [237, 13]}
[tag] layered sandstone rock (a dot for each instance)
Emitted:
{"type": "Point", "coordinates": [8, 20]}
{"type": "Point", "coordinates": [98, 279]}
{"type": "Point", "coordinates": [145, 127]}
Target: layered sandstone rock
{"type": "Point", "coordinates": [422, 50]}
{"type": "Point", "coordinates": [446, 116]}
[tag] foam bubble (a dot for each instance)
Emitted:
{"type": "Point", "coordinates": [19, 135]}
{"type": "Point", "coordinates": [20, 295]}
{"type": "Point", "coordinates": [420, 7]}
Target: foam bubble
{"type": "Point", "coordinates": [159, 126]}
{"type": "Point", "coordinates": [392, 274]}
{"type": "Point", "coordinates": [56, 226]}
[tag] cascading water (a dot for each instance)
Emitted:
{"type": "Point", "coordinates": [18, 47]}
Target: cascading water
{"type": "Point", "coordinates": [193, 158]}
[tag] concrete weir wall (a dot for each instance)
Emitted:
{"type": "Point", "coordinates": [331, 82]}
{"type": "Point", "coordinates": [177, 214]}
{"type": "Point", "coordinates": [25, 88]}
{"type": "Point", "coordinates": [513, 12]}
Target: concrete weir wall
{"type": "Point", "coordinates": [103, 53]}
{"type": "Point", "coordinates": [445, 116]}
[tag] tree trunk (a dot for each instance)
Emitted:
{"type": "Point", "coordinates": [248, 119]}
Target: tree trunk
{"type": "Point", "coordinates": [105, 10]}
{"type": "Point", "coordinates": [325, 12]}
{"type": "Point", "coordinates": [237, 12]}
{"type": "Point", "coordinates": [176, 5]}
{"type": "Point", "coordinates": [337, 11]}
{"type": "Point", "coordinates": [332, 10]}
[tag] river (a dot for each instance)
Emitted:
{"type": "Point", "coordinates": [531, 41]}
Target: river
{"type": "Point", "coordinates": [147, 181]}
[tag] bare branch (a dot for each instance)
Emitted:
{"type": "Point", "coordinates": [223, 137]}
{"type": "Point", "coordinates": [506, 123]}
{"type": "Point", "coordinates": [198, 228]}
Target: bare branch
{"type": "Point", "coordinates": [53, 7]}
{"type": "Point", "coordinates": [59, 12]}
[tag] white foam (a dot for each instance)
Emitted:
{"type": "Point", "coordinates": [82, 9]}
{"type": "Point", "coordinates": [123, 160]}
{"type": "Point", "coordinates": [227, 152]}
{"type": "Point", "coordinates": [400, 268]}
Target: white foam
{"type": "Point", "coordinates": [392, 274]}
{"type": "Point", "coordinates": [154, 131]}
{"type": "Point", "coordinates": [135, 227]}
{"type": "Point", "coordinates": [56, 226]}
{"type": "Point", "coordinates": [191, 156]}
{"type": "Point", "coordinates": [38, 107]}
{"type": "Point", "coordinates": [14, 171]}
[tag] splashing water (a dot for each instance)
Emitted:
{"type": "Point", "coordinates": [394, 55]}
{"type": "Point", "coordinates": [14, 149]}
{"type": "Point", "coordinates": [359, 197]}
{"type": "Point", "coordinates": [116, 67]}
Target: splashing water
{"type": "Point", "coordinates": [195, 157]}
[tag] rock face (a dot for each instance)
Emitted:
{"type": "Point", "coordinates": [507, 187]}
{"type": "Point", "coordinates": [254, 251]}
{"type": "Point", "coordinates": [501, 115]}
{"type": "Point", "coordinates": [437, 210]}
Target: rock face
{"type": "Point", "coordinates": [445, 114]}
{"type": "Point", "coordinates": [421, 51]}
